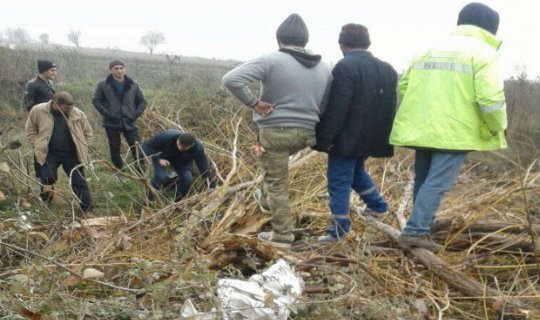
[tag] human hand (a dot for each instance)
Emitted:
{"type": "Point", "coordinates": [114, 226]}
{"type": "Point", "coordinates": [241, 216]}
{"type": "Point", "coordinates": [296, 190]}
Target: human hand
{"type": "Point", "coordinates": [164, 163]}
{"type": "Point", "coordinates": [257, 149]}
{"type": "Point", "coordinates": [263, 108]}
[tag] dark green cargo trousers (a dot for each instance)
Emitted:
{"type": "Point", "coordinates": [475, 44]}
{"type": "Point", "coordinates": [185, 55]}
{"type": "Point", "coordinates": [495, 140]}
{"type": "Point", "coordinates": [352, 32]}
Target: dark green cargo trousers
{"type": "Point", "coordinates": [279, 144]}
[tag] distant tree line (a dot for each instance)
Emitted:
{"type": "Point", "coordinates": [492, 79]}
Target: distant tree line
{"type": "Point", "coordinates": [19, 36]}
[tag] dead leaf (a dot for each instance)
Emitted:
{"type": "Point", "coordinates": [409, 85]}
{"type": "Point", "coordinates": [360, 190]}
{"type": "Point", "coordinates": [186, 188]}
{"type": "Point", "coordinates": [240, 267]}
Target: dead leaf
{"type": "Point", "coordinates": [29, 314]}
{"type": "Point", "coordinates": [2, 196]}
{"type": "Point", "coordinates": [4, 167]}
{"type": "Point", "coordinates": [92, 273]}
{"type": "Point", "coordinates": [40, 234]}
{"type": "Point", "coordinates": [93, 232]}
{"type": "Point", "coordinates": [69, 281]}
{"type": "Point", "coordinates": [124, 243]}
{"type": "Point", "coordinates": [497, 305]}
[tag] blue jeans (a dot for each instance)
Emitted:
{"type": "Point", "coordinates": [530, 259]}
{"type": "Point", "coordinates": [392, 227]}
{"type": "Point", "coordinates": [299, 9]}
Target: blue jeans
{"type": "Point", "coordinates": [435, 173]}
{"type": "Point", "coordinates": [183, 181]}
{"type": "Point", "coordinates": [343, 174]}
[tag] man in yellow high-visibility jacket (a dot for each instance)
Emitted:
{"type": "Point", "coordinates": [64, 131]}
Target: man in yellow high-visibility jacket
{"type": "Point", "coordinates": [452, 103]}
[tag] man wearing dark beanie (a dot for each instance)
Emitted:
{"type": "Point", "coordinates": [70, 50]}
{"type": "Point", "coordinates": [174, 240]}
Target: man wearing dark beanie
{"type": "Point", "coordinates": [294, 84]}
{"type": "Point", "coordinates": [356, 125]}
{"type": "Point", "coordinates": [39, 90]}
{"type": "Point", "coordinates": [452, 103]}
{"type": "Point", "coordinates": [120, 101]}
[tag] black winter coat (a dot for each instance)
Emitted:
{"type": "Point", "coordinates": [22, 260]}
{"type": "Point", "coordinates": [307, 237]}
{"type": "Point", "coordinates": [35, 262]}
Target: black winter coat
{"type": "Point", "coordinates": [361, 107]}
{"type": "Point", "coordinates": [119, 112]}
{"type": "Point", "coordinates": [38, 91]}
{"type": "Point", "coordinates": [163, 146]}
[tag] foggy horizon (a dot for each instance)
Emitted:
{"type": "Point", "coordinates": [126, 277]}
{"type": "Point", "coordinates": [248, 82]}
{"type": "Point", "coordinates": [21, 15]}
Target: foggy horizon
{"type": "Point", "coordinates": [244, 30]}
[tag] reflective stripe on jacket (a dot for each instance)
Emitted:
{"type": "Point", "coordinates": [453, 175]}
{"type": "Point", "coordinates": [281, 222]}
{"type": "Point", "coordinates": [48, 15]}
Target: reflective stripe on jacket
{"type": "Point", "coordinates": [452, 96]}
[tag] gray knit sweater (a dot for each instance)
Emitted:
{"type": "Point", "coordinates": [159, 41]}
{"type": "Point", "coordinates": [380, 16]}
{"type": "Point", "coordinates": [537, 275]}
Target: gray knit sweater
{"type": "Point", "coordinates": [297, 92]}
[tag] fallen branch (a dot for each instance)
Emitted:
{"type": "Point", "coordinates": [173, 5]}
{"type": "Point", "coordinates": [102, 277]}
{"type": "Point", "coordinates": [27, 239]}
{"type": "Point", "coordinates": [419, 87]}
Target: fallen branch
{"type": "Point", "coordinates": [447, 273]}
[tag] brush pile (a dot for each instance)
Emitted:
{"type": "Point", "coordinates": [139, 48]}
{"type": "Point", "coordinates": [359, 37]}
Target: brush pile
{"type": "Point", "coordinates": [147, 260]}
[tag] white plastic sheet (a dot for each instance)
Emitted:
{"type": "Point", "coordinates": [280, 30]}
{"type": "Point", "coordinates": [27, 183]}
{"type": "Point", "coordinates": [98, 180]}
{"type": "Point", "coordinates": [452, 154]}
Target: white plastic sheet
{"type": "Point", "coordinates": [270, 295]}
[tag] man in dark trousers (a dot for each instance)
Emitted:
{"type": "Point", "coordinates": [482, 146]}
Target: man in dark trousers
{"type": "Point", "coordinates": [120, 101]}
{"type": "Point", "coordinates": [59, 135]}
{"type": "Point", "coordinates": [356, 125]}
{"type": "Point", "coordinates": [177, 150]}
{"type": "Point", "coordinates": [38, 90]}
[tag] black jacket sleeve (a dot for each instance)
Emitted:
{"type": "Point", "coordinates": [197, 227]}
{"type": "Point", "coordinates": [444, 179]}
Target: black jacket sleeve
{"type": "Point", "coordinates": [30, 96]}
{"type": "Point", "coordinates": [100, 101]}
{"type": "Point", "coordinates": [201, 161]}
{"type": "Point", "coordinates": [337, 109]}
{"type": "Point", "coordinates": [140, 102]}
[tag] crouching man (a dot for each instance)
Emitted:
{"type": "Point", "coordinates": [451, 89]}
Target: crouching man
{"type": "Point", "coordinates": [59, 135]}
{"type": "Point", "coordinates": [177, 150]}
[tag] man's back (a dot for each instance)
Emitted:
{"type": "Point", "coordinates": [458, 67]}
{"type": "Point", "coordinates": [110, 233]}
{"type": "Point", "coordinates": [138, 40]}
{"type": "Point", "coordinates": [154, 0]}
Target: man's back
{"type": "Point", "coordinates": [453, 95]}
{"type": "Point", "coordinates": [295, 90]}
{"type": "Point", "coordinates": [361, 107]}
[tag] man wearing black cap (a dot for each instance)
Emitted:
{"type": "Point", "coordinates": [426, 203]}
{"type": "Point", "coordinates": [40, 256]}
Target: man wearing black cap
{"type": "Point", "coordinates": [356, 125]}
{"type": "Point", "coordinates": [39, 90]}
{"type": "Point", "coordinates": [294, 85]}
{"type": "Point", "coordinates": [452, 103]}
{"type": "Point", "coordinates": [120, 101]}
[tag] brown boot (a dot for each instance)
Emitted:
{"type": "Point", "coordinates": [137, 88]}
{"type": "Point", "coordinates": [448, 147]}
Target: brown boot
{"type": "Point", "coordinates": [423, 241]}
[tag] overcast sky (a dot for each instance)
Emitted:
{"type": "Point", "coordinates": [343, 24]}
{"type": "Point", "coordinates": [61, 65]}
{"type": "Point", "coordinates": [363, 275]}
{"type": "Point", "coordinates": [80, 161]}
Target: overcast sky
{"type": "Point", "coordinates": [243, 30]}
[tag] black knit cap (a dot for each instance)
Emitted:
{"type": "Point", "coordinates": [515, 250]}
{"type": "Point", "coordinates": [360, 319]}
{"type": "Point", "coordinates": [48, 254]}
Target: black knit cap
{"type": "Point", "coordinates": [354, 36]}
{"type": "Point", "coordinates": [293, 31]}
{"type": "Point", "coordinates": [116, 63]}
{"type": "Point", "coordinates": [480, 15]}
{"type": "Point", "coordinates": [44, 65]}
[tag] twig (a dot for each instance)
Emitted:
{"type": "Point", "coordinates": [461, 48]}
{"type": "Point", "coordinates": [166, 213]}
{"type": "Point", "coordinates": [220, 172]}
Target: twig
{"type": "Point", "coordinates": [50, 260]}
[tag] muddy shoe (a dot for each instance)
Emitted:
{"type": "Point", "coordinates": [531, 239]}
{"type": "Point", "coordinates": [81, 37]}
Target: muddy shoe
{"type": "Point", "coordinates": [258, 196]}
{"type": "Point", "coordinates": [423, 241]}
{"type": "Point", "coordinates": [329, 239]}
{"type": "Point", "coordinates": [372, 213]}
{"type": "Point", "coordinates": [276, 239]}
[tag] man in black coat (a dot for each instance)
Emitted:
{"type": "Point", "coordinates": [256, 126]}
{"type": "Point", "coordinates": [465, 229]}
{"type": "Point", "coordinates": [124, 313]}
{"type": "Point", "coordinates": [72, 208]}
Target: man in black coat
{"type": "Point", "coordinates": [356, 125]}
{"type": "Point", "coordinates": [41, 88]}
{"type": "Point", "coordinates": [120, 101]}
{"type": "Point", "coordinates": [38, 90]}
{"type": "Point", "coordinates": [177, 150]}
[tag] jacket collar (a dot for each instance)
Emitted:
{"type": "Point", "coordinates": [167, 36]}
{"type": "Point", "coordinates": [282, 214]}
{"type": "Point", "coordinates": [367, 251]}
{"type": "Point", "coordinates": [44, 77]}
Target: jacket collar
{"type": "Point", "coordinates": [74, 115]}
{"type": "Point", "coordinates": [478, 33]}
{"type": "Point", "coordinates": [355, 51]}
{"type": "Point", "coordinates": [127, 80]}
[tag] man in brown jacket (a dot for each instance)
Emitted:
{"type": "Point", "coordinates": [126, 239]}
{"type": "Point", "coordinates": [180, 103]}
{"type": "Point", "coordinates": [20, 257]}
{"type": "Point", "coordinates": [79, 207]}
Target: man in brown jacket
{"type": "Point", "coordinates": [59, 135]}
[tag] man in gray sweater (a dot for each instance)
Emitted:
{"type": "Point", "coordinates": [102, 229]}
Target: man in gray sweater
{"type": "Point", "coordinates": [294, 86]}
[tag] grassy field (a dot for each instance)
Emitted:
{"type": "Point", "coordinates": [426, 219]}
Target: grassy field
{"type": "Point", "coordinates": [158, 256]}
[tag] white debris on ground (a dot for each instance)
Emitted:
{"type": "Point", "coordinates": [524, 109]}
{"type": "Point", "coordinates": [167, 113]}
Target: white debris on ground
{"type": "Point", "coordinates": [270, 295]}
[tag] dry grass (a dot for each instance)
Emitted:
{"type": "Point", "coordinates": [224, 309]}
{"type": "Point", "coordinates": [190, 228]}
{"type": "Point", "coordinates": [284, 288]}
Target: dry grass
{"type": "Point", "coordinates": [155, 261]}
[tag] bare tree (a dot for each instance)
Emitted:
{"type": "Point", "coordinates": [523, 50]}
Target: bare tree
{"type": "Point", "coordinates": [44, 38]}
{"type": "Point", "coordinates": [74, 37]}
{"type": "Point", "coordinates": [152, 39]}
{"type": "Point", "coordinates": [18, 36]}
